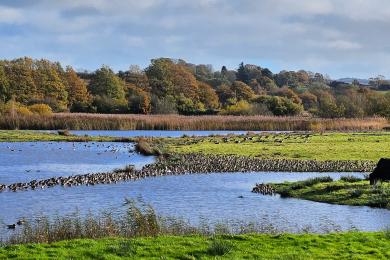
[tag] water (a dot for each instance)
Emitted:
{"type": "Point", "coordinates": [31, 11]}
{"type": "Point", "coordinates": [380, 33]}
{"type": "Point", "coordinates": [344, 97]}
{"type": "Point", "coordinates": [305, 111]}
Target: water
{"type": "Point", "coordinates": [25, 161]}
{"type": "Point", "coordinates": [214, 197]}
{"type": "Point", "coordinates": [158, 133]}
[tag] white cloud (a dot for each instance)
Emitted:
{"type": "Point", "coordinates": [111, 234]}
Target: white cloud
{"type": "Point", "coordinates": [10, 15]}
{"type": "Point", "coordinates": [314, 34]}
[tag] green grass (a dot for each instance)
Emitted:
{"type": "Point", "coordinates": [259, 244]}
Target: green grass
{"type": "Point", "coordinates": [356, 245]}
{"type": "Point", "coordinates": [327, 146]}
{"type": "Point", "coordinates": [34, 136]}
{"type": "Point", "coordinates": [347, 192]}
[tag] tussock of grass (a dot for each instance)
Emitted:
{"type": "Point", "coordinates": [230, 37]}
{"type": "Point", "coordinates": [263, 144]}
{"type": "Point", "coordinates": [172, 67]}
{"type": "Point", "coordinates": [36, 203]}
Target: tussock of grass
{"type": "Point", "coordinates": [350, 178]}
{"type": "Point", "coordinates": [147, 147]}
{"type": "Point", "coordinates": [219, 247]}
{"type": "Point", "coordinates": [356, 193]}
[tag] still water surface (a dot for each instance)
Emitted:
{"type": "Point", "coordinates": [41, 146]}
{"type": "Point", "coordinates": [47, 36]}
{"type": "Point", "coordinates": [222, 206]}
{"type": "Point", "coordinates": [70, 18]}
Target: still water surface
{"type": "Point", "coordinates": [215, 197]}
{"type": "Point", "coordinates": [157, 133]}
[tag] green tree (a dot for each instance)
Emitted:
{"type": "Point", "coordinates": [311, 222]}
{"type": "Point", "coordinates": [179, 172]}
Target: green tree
{"type": "Point", "coordinates": [21, 81]}
{"type": "Point", "coordinates": [279, 106]}
{"type": "Point", "coordinates": [4, 85]}
{"type": "Point", "coordinates": [105, 83]}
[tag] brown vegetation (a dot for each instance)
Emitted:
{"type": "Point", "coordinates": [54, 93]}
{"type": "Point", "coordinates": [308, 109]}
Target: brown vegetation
{"type": "Point", "coordinates": [81, 121]}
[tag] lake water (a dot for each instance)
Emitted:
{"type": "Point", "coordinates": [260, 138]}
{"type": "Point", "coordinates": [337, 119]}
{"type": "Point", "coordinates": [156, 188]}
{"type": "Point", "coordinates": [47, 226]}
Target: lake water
{"type": "Point", "coordinates": [158, 133]}
{"type": "Point", "coordinates": [25, 161]}
{"type": "Point", "coordinates": [214, 197]}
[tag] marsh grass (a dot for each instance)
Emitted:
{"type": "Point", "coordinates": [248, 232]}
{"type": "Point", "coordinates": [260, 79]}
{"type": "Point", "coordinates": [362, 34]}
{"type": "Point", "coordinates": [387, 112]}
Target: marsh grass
{"type": "Point", "coordinates": [386, 232]}
{"type": "Point", "coordinates": [80, 121]}
{"type": "Point", "coordinates": [350, 178]}
{"type": "Point", "coordinates": [147, 147]}
{"type": "Point", "coordinates": [358, 193]}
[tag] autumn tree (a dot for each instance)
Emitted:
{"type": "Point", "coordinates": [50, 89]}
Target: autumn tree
{"type": "Point", "coordinates": [242, 91]}
{"type": "Point", "coordinates": [208, 96]}
{"type": "Point", "coordinates": [79, 98]}
{"type": "Point", "coordinates": [50, 86]}
{"type": "Point", "coordinates": [225, 94]}
{"type": "Point", "coordinates": [139, 101]}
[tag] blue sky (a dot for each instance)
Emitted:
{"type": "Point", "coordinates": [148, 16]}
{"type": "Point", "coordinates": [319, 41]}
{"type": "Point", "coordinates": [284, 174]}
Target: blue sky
{"type": "Point", "coordinates": [336, 37]}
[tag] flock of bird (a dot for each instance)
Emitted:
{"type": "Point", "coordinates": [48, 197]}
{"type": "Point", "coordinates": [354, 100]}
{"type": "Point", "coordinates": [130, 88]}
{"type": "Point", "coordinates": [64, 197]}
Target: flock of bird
{"type": "Point", "coordinates": [264, 189]}
{"type": "Point", "coordinates": [192, 164]}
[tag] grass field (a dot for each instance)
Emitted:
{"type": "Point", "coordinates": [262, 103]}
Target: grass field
{"type": "Point", "coordinates": [354, 245]}
{"type": "Point", "coordinates": [347, 191]}
{"type": "Point", "coordinates": [313, 146]}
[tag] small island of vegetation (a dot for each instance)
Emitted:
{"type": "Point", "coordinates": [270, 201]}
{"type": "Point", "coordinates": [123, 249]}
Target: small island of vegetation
{"type": "Point", "coordinates": [348, 190]}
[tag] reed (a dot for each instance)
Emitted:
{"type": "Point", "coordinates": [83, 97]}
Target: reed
{"type": "Point", "coordinates": [139, 220]}
{"type": "Point", "coordinates": [83, 121]}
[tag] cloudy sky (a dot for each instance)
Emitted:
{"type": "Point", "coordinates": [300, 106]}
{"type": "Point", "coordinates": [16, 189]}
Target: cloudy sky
{"type": "Point", "coordinates": [336, 37]}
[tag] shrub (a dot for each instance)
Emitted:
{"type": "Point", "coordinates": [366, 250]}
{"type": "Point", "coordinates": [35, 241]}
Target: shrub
{"type": "Point", "coordinates": [219, 247]}
{"type": "Point", "coordinates": [23, 111]}
{"type": "Point", "coordinates": [40, 109]}
{"type": "Point", "coordinates": [241, 108]}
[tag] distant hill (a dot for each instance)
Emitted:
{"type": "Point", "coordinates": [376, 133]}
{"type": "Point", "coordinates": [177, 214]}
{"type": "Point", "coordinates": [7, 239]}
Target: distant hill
{"type": "Point", "coordinates": [350, 80]}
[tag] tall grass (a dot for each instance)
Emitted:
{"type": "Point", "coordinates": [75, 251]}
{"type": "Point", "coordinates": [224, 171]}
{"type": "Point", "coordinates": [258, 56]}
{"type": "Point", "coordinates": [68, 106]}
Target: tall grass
{"type": "Point", "coordinates": [80, 121]}
{"type": "Point", "coordinates": [140, 220]}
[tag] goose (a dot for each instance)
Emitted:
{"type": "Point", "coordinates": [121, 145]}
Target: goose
{"type": "Point", "coordinates": [13, 226]}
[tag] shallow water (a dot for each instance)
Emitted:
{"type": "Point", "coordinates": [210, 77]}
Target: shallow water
{"type": "Point", "coordinates": [158, 133]}
{"type": "Point", "coordinates": [25, 161]}
{"type": "Point", "coordinates": [214, 197]}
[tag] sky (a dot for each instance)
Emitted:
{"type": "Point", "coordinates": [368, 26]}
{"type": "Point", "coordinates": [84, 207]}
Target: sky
{"type": "Point", "coordinates": [341, 38]}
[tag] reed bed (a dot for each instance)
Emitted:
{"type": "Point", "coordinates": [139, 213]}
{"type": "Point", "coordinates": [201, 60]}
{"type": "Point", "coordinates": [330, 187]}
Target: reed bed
{"type": "Point", "coordinates": [137, 220]}
{"type": "Point", "coordinates": [83, 121]}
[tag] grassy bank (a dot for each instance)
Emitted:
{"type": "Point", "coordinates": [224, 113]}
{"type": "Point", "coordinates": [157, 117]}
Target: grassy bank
{"type": "Point", "coordinates": [176, 122]}
{"type": "Point", "coordinates": [32, 136]}
{"type": "Point", "coordinates": [284, 246]}
{"type": "Point", "coordinates": [347, 191]}
{"type": "Point", "coordinates": [311, 146]}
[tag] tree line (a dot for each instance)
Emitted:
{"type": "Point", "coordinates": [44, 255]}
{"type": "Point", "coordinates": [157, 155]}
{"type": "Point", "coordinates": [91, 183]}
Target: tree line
{"type": "Point", "coordinates": [169, 86]}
